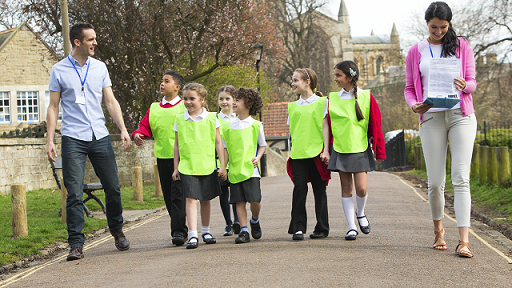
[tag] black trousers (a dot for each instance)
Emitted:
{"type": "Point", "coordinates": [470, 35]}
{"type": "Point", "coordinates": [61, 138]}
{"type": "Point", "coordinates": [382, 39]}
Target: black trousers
{"type": "Point", "coordinates": [302, 170]}
{"type": "Point", "coordinates": [173, 197]}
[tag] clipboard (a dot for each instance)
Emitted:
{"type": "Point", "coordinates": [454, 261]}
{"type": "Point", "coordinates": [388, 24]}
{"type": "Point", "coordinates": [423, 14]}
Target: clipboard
{"type": "Point", "coordinates": [441, 102]}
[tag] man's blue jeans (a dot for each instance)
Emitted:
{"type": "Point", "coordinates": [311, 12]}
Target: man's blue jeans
{"type": "Point", "coordinates": [102, 157]}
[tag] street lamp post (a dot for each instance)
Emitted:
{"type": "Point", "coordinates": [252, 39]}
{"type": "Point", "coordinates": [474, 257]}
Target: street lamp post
{"type": "Point", "coordinates": [259, 53]}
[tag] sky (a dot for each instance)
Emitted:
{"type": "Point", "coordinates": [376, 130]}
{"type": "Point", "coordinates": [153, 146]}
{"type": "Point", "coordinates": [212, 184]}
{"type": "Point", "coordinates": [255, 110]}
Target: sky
{"type": "Point", "coordinates": [379, 15]}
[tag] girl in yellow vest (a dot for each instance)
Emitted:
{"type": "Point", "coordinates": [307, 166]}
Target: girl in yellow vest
{"type": "Point", "coordinates": [305, 117]}
{"type": "Point", "coordinates": [158, 124]}
{"type": "Point", "coordinates": [354, 119]}
{"type": "Point", "coordinates": [244, 143]}
{"type": "Point", "coordinates": [226, 115]}
{"type": "Point", "coordinates": [197, 137]}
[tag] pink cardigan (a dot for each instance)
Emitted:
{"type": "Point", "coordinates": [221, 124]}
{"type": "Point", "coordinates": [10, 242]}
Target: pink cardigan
{"type": "Point", "coordinates": [413, 90]}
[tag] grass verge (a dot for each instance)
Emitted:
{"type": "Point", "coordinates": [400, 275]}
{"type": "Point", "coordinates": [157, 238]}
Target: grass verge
{"type": "Point", "coordinates": [494, 200]}
{"type": "Point", "coordinates": [45, 226]}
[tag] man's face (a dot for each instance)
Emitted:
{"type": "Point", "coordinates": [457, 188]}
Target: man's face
{"type": "Point", "coordinates": [88, 43]}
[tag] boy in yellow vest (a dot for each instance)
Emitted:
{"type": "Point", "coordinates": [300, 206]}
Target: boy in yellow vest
{"type": "Point", "coordinates": [158, 123]}
{"type": "Point", "coordinates": [244, 143]}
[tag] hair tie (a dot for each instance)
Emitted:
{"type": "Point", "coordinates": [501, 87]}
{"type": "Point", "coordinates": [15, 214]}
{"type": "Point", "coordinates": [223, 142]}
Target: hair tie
{"type": "Point", "coordinates": [307, 73]}
{"type": "Point", "coordinates": [352, 72]}
{"type": "Point", "coordinates": [314, 90]}
{"type": "Point", "coordinates": [356, 99]}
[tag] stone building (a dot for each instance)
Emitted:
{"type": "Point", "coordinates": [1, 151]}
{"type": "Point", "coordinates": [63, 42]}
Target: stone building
{"type": "Point", "coordinates": [25, 65]}
{"type": "Point", "coordinates": [372, 54]}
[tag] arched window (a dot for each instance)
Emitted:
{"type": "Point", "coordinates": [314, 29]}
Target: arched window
{"type": "Point", "coordinates": [379, 61]}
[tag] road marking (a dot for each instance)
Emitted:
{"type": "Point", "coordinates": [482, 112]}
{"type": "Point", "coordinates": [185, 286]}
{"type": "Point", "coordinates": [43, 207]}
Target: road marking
{"type": "Point", "coordinates": [470, 230]}
{"type": "Point", "coordinates": [32, 270]}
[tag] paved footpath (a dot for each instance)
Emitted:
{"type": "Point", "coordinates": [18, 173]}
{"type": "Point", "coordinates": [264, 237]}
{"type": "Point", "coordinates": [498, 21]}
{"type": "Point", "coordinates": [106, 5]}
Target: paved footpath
{"type": "Point", "coordinates": [397, 252]}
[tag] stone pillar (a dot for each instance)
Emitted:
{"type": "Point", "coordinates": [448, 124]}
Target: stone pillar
{"type": "Point", "coordinates": [475, 161]}
{"type": "Point", "coordinates": [483, 164]}
{"type": "Point", "coordinates": [158, 186]}
{"type": "Point", "coordinates": [492, 165]}
{"type": "Point", "coordinates": [503, 166]}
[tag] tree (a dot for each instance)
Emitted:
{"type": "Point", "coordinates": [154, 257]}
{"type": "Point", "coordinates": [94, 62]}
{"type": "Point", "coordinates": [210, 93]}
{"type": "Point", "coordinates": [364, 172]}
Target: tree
{"type": "Point", "coordinates": [140, 40]}
{"type": "Point", "coordinates": [303, 40]}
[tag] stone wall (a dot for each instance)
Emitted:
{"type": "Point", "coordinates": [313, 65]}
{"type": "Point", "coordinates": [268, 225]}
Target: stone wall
{"type": "Point", "coordinates": [24, 160]}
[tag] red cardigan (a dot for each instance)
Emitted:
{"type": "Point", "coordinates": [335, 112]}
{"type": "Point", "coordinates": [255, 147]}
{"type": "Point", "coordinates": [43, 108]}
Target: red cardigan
{"type": "Point", "coordinates": [144, 127]}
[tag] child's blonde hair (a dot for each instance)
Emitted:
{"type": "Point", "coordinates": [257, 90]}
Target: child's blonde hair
{"type": "Point", "coordinates": [227, 89]}
{"type": "Point", "coordinates": [309, 74]}
{"type": "Point", "coordinates": [200, 90]}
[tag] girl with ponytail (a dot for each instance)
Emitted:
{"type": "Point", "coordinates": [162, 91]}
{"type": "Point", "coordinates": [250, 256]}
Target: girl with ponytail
{"type": "Point", "coordinates": [306, 116]}
{"type": "Point", "coordinates": [440, 125]}
{"type": "Point", "coordinates": [354, 120]}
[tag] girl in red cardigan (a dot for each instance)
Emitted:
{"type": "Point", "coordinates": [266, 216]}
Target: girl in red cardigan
{"type": "Point", "coordinates": [354, 121]}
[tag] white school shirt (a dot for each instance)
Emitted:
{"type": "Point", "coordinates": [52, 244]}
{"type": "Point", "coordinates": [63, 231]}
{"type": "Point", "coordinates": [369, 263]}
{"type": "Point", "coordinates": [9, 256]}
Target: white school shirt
{"type": "Point", "coordinates": [311, 100]}
{"type": "Point", "coordinates": [200, 117]}
{"type": "Point", "coordinates": [238, 124]}
{"type": "Point", "coordinates": [228, 118]}
{"type": "Point", "coordinates": [425, 68]}
{"type": "Point", "coordinates": [172, 102]}
{"type": "Point", "coordinates": [348, 95]}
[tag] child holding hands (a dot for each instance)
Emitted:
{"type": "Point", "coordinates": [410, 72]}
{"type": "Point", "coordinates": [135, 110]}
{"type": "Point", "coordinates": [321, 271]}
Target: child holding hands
{"type": "Point", "coordinates": [196, 139]}
{"type": "Point", "coordinates": [244, 143]}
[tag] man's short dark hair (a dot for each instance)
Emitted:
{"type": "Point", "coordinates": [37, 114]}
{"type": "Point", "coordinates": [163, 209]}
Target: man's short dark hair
{"type": "Point", "coordinates": [77, 32]}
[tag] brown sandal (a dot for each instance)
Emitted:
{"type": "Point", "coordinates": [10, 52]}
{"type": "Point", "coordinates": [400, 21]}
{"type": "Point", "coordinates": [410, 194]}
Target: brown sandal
{"type": "Point", "coordinates": [460, 252]}
{"type": "Point", "coordinates": [439, 242]}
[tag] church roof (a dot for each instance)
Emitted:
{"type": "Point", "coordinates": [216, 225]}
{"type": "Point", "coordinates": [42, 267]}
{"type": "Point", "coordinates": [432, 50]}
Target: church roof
{"type": "Point", "coordinates": [6, 35]}
{"type": "Point", "coordinates": [373, 39]}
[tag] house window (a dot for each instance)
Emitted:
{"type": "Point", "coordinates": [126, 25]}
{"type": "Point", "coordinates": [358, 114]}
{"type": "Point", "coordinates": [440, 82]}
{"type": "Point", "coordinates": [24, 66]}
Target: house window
{"type": "Point", "coordinates": [379, 62]}
{"type": "Point", "coordinates": [47, 103]}
{"type": "Point", "coordinates": [5, 115]}
{"type": "Point", "coordinates": [28, 109]}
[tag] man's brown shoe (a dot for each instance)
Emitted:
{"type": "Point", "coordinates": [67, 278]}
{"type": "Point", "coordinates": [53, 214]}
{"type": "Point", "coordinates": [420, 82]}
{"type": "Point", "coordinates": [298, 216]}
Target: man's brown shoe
{"type": "Point", "coordinates": [122, 243]}
{"type": "Point", "coordinates": [75, 253]}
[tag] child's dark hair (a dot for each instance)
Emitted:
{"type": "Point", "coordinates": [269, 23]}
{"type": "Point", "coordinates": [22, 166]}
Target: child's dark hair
{"type": "Point", "coordinates": [349, 68]}
{"type": "Point", "coordinates": [442, 11]}
{"type": "Point", "coordinates": [200, 90]}
{"type": "Point", "coordinates": [77, 32]}
{"type": "Point", "coordinates": [252, 99]}
{"type": "Point", "coordinates": [309, 74]}
{"type": "Point", "coordinates": [178, 79]}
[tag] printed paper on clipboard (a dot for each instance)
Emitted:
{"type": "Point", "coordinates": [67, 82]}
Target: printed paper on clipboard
{"type": "Point", "coordinates": [441, 87]}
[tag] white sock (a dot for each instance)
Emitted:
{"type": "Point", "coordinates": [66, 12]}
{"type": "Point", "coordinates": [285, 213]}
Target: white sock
{"type": "Point", "coordinates": [348, 208]}
{"type": "Point", "coordinates": [299, 232]}
{"type": "Point", "coordinates": [204, 230]}
{"type": "Point", "coordinates": [361, 203]}
{"type": "Point", "coordinates": [192, 233]}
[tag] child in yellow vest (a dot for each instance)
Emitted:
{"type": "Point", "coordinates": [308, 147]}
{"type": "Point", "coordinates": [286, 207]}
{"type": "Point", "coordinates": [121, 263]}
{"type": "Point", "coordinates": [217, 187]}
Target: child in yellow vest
{"type": "Point", "coordinates": [196, 139]}
{"type": "Point", "coordinates": [225, 116]}
{"type": "Point", "coordinates": [158, 124]}
{"type": "Point", "coordinates": [244, 143]}
{"type": "Point", "coordinates": [354, 120]}
{"type": "Point", "coordinates": [305, 117]}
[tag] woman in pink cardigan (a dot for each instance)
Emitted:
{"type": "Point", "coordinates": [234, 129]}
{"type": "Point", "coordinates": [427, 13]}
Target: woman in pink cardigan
{"type": "Point", "coordinates": [439, 125]}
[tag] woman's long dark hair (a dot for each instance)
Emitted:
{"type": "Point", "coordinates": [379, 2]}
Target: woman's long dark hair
{"type": "Point", "coordinates": [346, 67]}
{"type": "Point", "coordinates": [442, 11]}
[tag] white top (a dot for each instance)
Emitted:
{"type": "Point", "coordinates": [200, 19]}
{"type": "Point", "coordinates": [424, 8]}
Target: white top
{"type": "Point", "coordinates": [228, 118]}
{"type": "Point", "coordinates": [238, 124]}
{"type": "Point", "coordinates": [311, 100]}
{"type": "Point", "coordinates": [200, 117]}
{"type": "Point", "coordinates": [172, 102]}
{"type": "Point", "coordinates": [424, 69]}
{"type": "Point", "coordinates": [348, 95]}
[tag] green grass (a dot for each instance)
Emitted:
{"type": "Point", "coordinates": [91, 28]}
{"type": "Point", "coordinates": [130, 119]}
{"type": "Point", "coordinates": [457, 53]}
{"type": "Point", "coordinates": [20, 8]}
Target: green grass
{"type": "Point", "coordinates": [492, 198]}
{"type": "Point", "coordinates": [45, 226]}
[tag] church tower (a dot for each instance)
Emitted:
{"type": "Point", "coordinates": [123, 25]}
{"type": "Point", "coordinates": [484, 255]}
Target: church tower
{"type": "Point", "coordinates": [394, 35]}
{"type": "Point", "coordinates": [345, 36]}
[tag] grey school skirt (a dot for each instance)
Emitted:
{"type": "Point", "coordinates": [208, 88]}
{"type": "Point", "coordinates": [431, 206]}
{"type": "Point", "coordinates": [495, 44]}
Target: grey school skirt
{"type": "Point", "coordinates": [352, 162]}
{"type": "Point", "coordinates": [202, 187]}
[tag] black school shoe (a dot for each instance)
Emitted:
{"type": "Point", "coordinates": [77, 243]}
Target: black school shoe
{"type": "Point", "coordinates": [243, 237]}
{"type": "Point", "coordinates": [193, 244]}
{"type": "Point", "coordinates": [351, 236]}
{"type": "Point", "coordinates": [179, 240]}
{"type": "Point", "coordinates": [210, 240]}
{"type": "Point", "coordinates": [318, 235]}
{"type": "Point", "coordinates": [228, 231]}
{"type": "Point", "coordinates": [256, 230]}
{"type": "Point", "coordinates": [298, 236]}
{"type": "Point", "coordinates": [364, 229]}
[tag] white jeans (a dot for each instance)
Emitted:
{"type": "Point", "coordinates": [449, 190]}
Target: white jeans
{"type": "Point", "coordinates": [436, 129]}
